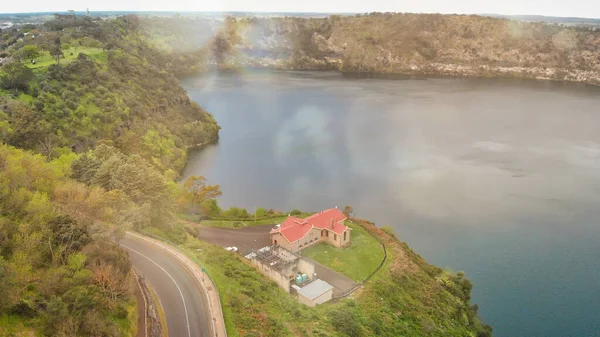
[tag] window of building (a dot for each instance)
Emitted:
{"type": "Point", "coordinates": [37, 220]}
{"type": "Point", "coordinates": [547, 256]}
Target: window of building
{"type": "Point", "coordinates": [327, 233]}
{"type": "Point", "coordinates": [345, 236]}
{"type": "Point", "coordinates": [334, 237]}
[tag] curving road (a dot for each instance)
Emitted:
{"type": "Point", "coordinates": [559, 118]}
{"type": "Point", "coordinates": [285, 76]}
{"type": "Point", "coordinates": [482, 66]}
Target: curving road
{"type": "Point", "coordinates": [184, 304]}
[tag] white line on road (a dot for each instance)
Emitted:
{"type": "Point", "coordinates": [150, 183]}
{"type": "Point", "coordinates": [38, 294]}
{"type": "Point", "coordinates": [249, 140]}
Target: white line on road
{"type": "Point", "coordinates": [172, 279]}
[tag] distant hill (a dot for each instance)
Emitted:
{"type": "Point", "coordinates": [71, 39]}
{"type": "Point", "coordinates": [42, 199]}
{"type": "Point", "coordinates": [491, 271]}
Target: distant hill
{"type": "Point", "coordinates": [549, 19]}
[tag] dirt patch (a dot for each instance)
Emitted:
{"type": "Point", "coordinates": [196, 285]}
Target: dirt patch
{"type": "Point", "coordinates": [246, 239]}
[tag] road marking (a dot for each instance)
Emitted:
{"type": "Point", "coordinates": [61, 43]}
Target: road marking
{"type": "Point", "coordinates": [187, 318]}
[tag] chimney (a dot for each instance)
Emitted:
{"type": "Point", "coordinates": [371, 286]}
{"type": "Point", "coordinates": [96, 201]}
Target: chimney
{"type": "Point", "coordinates": [331, 222]}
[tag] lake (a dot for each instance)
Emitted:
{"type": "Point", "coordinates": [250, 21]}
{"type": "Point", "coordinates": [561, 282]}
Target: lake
{"type": "Point", "coordinates": [499, 178]}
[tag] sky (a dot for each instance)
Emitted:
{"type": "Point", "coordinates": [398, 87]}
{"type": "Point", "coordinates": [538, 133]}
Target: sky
{"type": "Point", "coordinates": [577, 8]}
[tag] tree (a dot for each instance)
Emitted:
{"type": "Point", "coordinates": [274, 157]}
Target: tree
{"type": "Point", "coordinates": [76, 44]}
{"type": "Point", "coordinates": [210, 207]}
{"type": "Point", "coordinates": [84, 168]}
{"type": "Point", "coordinates": [30, 53]}
{"type": "Point", "coordinates": [28, 127]}
{"type": "Point", "coordinates": [199, 191]}
{"type": "Point", "coordinates": [236, 213]}
{"type": "Point", "coordinates": [112, 281]}
{"type": "Point", "coordinates": [348, 211]}
{"type": "Point", "coordinates": [69, 235]}
{"type": "Point", "coordinates": [16, 75]}
{"type": "Point", "coordinates": [56, 52]}
{"type": "Point", "coordinates": [261, 212]}
{"type": "Point", "coordinates": [221, 47]}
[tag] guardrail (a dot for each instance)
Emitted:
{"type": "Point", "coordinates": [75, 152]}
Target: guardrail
{"type": "Point", "coordinates": [141, 289]}
{"type": "Point", "coordinates": [174, 246]}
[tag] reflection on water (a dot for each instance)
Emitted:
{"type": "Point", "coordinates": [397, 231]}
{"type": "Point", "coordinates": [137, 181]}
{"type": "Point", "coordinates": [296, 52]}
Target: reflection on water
{"type": "Point", "coordinates": [499, 178]}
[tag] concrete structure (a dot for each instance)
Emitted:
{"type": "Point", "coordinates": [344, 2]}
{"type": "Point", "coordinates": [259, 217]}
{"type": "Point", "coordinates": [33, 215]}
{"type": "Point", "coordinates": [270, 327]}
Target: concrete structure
{"type": "Point", "coordinates": [281, 265]}
{"type": "Point", "coordinates": [295, 234]}
{"type": "Point", "coordinates": [315, 293]}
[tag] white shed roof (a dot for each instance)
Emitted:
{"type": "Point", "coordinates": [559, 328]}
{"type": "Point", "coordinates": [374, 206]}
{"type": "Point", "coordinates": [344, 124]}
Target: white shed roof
{"type": "Point", "coordinates": [315, 289]}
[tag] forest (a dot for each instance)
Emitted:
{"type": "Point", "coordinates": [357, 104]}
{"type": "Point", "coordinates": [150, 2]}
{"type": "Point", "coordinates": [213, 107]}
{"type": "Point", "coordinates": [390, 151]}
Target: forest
{"type": "Point", "coordinates": [94, 128]}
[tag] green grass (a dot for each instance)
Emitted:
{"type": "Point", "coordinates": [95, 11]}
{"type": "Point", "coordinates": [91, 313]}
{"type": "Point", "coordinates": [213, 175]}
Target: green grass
{"type": "Point", "coordinates": [160, 311]}
{"type": "Point", "coordinates": [46, 59]}
{"type": "Point", "coordinates": [128, 325]}
{"type": "Point", "coordinates": [14, 326]}
{"type": "Point", "coordinates": [356, 261]}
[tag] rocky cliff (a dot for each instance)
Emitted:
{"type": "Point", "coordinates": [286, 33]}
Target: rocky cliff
{"type": "Point", "coordinates": [415, 44]}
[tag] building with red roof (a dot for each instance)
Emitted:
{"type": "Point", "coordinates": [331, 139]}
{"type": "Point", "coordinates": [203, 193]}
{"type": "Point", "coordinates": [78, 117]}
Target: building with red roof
{"type": "Point", "coordinates": [296, 234]}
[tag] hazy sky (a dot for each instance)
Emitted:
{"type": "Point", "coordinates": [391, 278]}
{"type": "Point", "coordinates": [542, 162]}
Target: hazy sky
{"type": "Point", "coordinates": [581, 8]}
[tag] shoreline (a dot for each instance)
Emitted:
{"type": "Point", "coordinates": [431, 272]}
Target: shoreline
{"type": "Point", "coordinates": [494, 73]}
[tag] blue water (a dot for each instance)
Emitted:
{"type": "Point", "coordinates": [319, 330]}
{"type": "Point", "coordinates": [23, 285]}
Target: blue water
{"type": "Point", "coordinates": [498, 178]}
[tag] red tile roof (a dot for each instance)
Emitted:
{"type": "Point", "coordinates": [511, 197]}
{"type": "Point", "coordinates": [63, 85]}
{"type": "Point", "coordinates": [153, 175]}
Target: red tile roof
{"type": "Point", "coordinates": [294, 229]}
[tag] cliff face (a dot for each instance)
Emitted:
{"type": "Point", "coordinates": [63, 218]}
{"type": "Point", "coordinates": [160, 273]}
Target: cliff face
{"type": "Point", "coordinates": [420, 44]}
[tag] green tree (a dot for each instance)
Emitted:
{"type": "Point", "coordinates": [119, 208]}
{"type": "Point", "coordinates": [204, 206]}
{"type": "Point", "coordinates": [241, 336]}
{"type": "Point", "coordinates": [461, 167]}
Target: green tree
{"type": "Point", "coordinates": [84, 168]}
{"type": "Point", "coordinates": [69, 235]}
{"type": "Point", "coordinates": [210, 207]}
{"type": "Point", "coordinates": [261, 212]}
{"type": "Point", "coordinates": [15, 75]}
{"type": "Point", "coordinates": [28, 127]}
{"type": "Point", "coordinates": [29, 52]}
{"type": "Point", "coordinates": [236, 213]}
{"type": "Point", "coordinates": [57, 53]}
{"type": "Point", "coordinates": [76, 44]}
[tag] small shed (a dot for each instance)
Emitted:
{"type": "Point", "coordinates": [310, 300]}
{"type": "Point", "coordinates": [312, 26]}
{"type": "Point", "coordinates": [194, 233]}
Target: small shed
{"type": "Point", "coordinates": [316, 292]}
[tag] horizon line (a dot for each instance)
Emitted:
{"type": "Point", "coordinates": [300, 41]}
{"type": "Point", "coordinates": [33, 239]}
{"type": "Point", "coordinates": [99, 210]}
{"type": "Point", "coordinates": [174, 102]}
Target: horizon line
{"type": "Point", "coordinates": [293, 12]}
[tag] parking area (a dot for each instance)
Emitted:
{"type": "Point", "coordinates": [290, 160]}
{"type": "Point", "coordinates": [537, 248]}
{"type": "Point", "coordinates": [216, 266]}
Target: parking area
{"type": "Point", "coordinates": [245, 239]}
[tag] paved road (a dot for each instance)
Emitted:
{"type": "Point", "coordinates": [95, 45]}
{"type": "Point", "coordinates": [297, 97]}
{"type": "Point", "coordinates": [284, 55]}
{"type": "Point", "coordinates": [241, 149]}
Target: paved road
{"type": "Point", "coordinates": [184, 304]}
{"type": "Point", "coordinates": [247, 239]}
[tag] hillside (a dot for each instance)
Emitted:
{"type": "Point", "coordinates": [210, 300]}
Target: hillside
{"type": "Point", "coordinates": [96, 81]}
{"type": "Point", "coordinates": [416, 44]}
{"type": "Point", "coordinates": [60, 275]}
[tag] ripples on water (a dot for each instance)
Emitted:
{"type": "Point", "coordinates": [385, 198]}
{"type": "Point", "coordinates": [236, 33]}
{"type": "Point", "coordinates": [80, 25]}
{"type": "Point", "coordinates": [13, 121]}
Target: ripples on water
{"type": "Point", "coordinates": [500, 178]}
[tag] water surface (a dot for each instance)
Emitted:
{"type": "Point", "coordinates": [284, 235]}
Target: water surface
{"type": "Point", "coordinates": [498, 178]}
